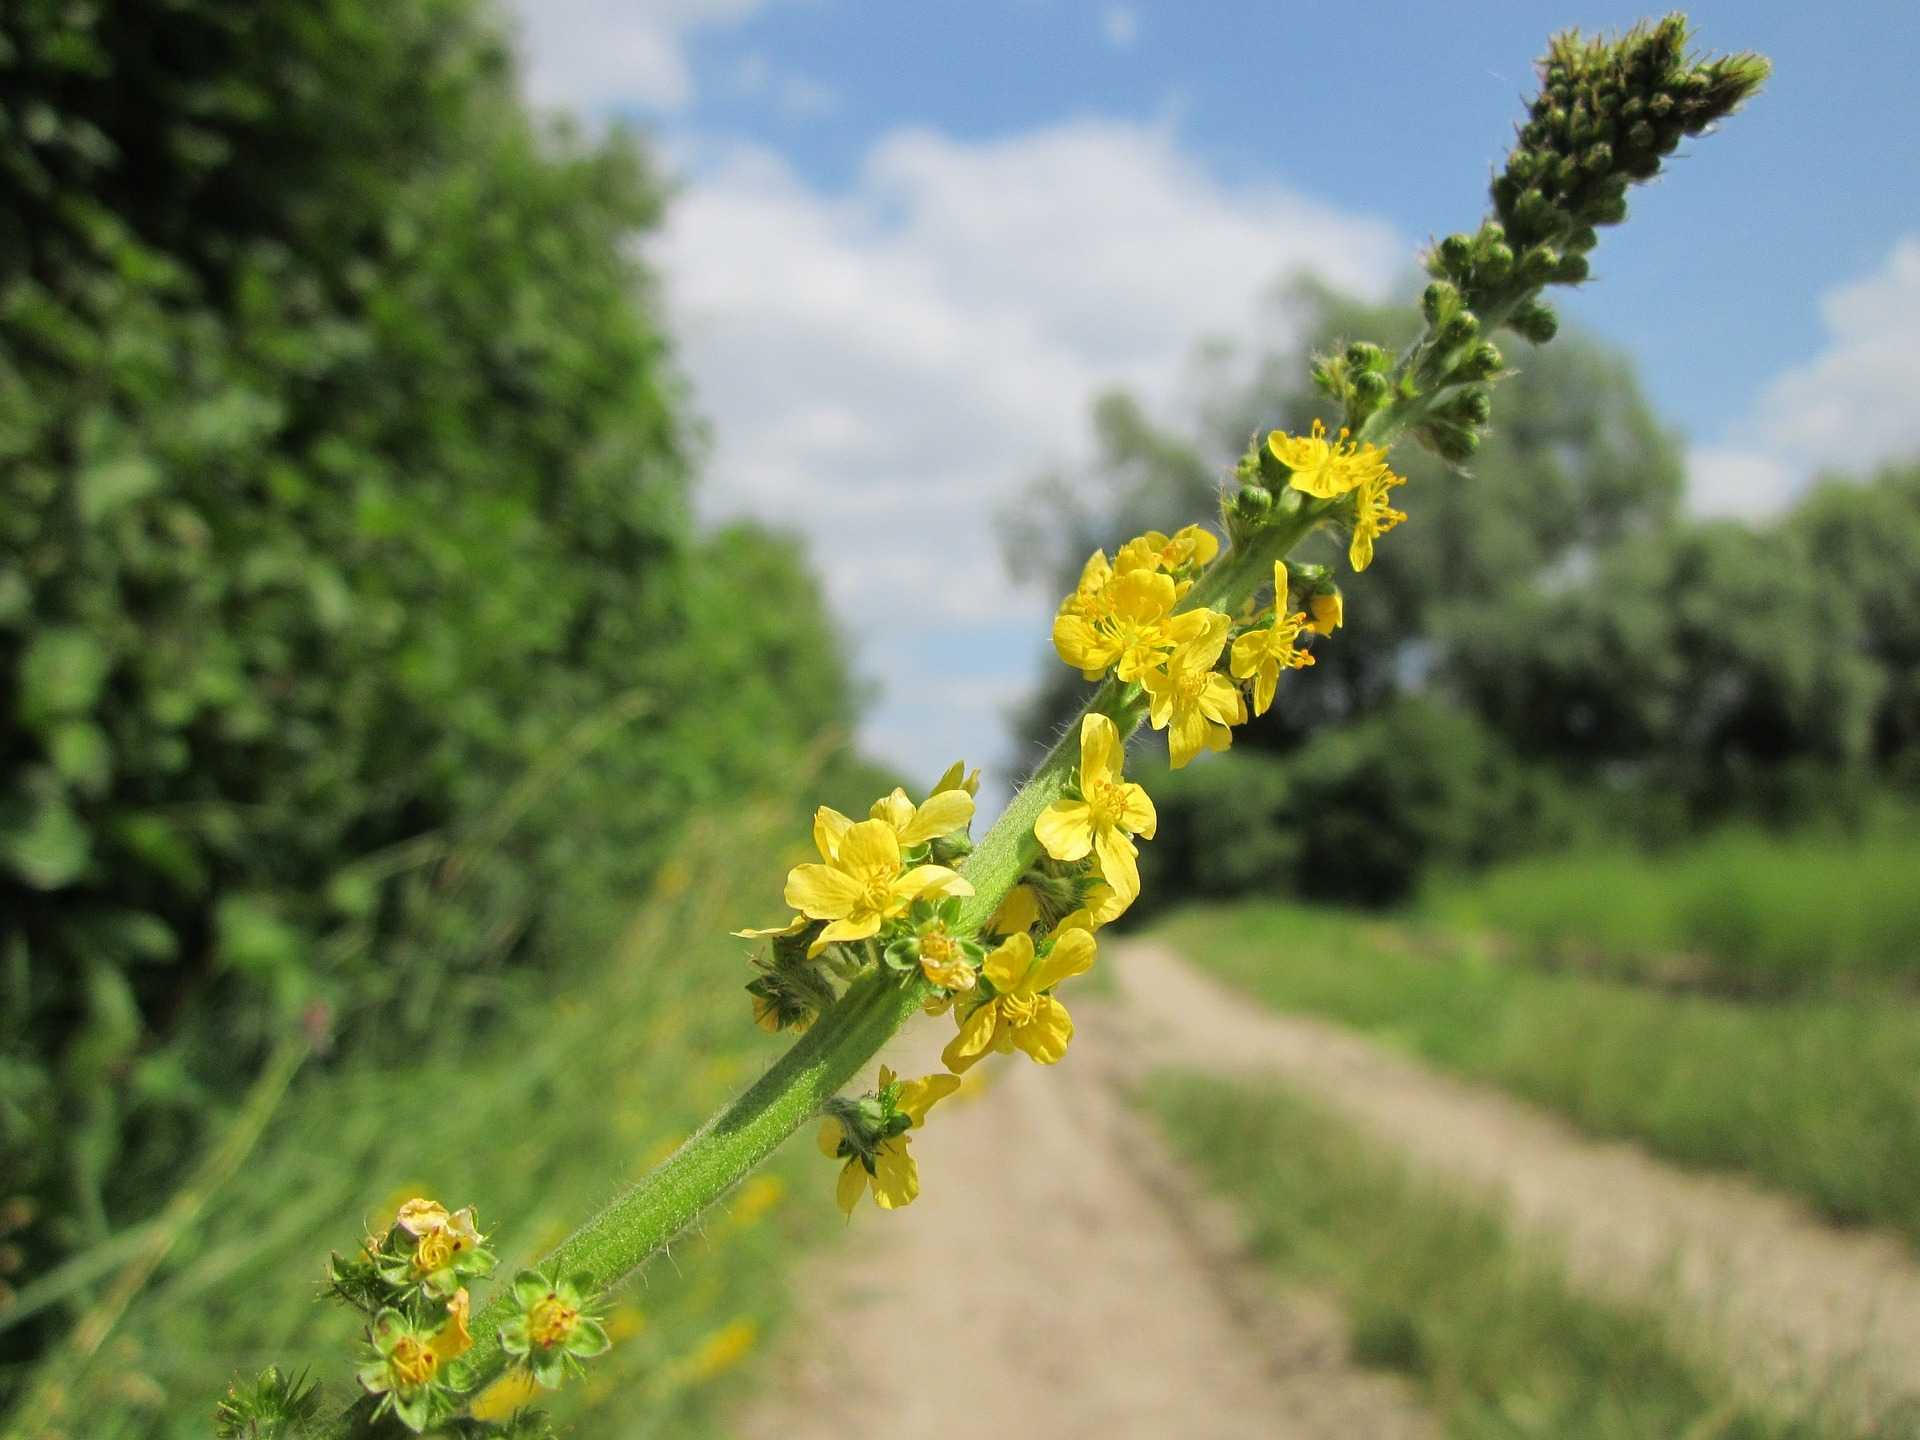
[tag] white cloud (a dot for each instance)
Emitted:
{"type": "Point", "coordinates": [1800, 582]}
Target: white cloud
{"type": "Point", "coordinates": [591, 54]}
{"type": "Point", "coordinates": [1120, 24]}
{"type": "Point", "coordinates": [1849, 408]}
{"type": "Point", "coordinates": [883, 367]}
{"type": "Point", "coordinates": [754, 76]}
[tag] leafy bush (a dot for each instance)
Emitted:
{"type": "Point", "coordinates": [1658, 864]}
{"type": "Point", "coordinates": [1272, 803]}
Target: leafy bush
{"type": "Point", "coordinates": [1742, 913]}
{"type": "Point", "coordinates": [352, 643]}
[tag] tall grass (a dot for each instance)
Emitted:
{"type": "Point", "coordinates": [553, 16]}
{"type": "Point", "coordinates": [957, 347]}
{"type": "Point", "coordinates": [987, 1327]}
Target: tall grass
{"type": "Point", "coordinates": [1816, 1095]}
{"type": "Point", "coordinates": [536, 1126]}
{"type": "Point", "coordinates": [1742, 913]}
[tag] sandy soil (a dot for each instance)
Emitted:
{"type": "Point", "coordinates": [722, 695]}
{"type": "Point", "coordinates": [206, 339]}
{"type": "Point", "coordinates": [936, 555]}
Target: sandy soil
{"type": "Point", "coordinates": [1060, 1275]}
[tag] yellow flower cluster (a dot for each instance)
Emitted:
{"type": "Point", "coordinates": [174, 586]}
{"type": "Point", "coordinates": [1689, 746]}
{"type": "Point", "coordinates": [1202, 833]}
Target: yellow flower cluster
{"type": "Point", "coordinates": [1330, 469]}
{"type": "Point", "coordinates": [1121, 617]}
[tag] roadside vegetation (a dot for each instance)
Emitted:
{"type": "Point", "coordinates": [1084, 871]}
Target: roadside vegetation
{"type": "Point", "coordinates": [1488, 1329]}
{"type": "Point", "coordinates": [519, 1128]}
{"type": "Point", "coordinates": [1813, 1093]}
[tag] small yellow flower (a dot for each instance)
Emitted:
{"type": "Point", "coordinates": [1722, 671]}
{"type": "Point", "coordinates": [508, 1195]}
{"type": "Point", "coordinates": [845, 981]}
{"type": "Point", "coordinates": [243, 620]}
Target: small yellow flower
{"type": "Point", "coordinates": [1023, 1014]}
{"type": "Point", "coordinates": [1264, 652]}
{"type": "Point", "coordinates": [1192, 545]}
{"type": "Point", "coordinates": [1328, 612]}
{"type": "Point", "coordinates": [1193, 703]}
{"type": "Point", "coordinates": [1372, 516]}
{"type": "Point", "coordinates": [1109, 813]}
{"type": "Point", "coordinates": [943, 959]}
{"type": "Point", "coordinates": [863, 884]}
{"type": "Point", "coordinates": [439, 1237]}
{"type": "Point", "coordinates": [893, 1176]}
{"type": "Point", "coordinates": [1325, 469]}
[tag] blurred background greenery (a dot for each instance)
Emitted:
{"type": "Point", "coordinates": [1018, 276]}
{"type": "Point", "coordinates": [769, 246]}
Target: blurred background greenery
{"type": "Point", "coordinates": [366, 676]}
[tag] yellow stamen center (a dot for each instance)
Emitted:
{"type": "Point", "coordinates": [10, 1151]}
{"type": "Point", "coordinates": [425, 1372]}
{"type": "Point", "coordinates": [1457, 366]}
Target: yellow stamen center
{"type": "Point", "coordinates": [551, 1322]}
{"type": "Point", "coordinates": [413, 1362]}
{"type": "Point", "coordinates": [1108, 802]}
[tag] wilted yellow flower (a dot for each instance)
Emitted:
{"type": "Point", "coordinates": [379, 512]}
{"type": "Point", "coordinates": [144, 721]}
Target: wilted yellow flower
{"type": "Point", "coordinates": [1264, 652]}
{"type": "Point", "coordinates": [1372, 516]}
{"type": "Point", "coordinates": [1109, 813]}
{"type": "Point", "coordinates": [1191, 701]}
{"type": "Point", "coordinates": [1023, 1014]}
{"type": "Point", "coordinates": [863, 883]}
{"type": "Point", "coordinates": [1325, 469]}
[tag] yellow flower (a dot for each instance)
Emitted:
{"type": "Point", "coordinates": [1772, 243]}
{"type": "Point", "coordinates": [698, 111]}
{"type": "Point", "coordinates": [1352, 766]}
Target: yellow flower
{"type": "Point", "coordinates": [1090, 600]}
{"type": "Point", "coordinates": [1191, 701]}
{"type": "Point", "coordinates": [1192, 545]}
{"type": "Point", "coordinates": [439, 1236]}
{"type": "Point", "coordinates": [1372, 516]}
{"type": "Point", "coordinates": [1133, 637]}
{"type": "Point", "coordinates": [948, 809]}
{"type": "Point", "coordinates": [1023, 1014]}
{"type": "Point", "coordinates": [1329, 613]}
{"type": "Point", "coordinates": [1106, 817]}
{"type": "Point", "coordinates": [1325, 468]}
{"type": "Point", "coordinates": [890, 1173]}
{"type": "Point", "coordinates": [1263, 653]}
{"type": "Point", "coordinates": [863, 884]}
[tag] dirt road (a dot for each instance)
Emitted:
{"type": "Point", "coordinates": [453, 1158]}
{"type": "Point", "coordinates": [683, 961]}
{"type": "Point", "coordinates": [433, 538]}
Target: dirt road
{"type": "Point", "coordinates": [1061, 1276]}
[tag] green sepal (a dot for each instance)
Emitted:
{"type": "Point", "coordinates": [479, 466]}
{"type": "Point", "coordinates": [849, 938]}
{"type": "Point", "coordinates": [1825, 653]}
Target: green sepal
{"type": "Point", "coordinates": [589, 1339]}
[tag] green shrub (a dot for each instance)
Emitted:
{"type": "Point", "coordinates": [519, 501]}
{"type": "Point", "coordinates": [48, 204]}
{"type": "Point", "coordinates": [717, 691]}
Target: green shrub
{"type": "Point", "coordinates": [353, 648]}
{"type": "Point", "coordinates": [1358, 814]}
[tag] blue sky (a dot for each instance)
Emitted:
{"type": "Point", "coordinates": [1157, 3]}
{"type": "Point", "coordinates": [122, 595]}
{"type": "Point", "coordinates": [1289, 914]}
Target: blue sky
{"type": "Point", "coordinates": [912, 239]}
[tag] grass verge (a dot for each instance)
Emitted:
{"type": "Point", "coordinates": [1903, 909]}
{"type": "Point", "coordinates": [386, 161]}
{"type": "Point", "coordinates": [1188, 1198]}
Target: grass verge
{"type": "Point", "coordinates": [537, 1126]}
{"type": "Point", "coordinates": [1815, 1095]}
{"type": "Point", "coordinates": [1742, 913]}
{"type": "Point", "coordinates": [1490, 1331]}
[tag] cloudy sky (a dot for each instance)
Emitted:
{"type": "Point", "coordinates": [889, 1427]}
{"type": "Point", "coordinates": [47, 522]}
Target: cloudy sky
{"type": "Point", "coordinates": [912, 239]}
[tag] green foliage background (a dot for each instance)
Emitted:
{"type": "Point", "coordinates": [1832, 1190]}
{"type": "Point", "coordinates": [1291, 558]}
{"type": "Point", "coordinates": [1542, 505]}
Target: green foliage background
{"type": "Point", "coordinates": [357, 651]}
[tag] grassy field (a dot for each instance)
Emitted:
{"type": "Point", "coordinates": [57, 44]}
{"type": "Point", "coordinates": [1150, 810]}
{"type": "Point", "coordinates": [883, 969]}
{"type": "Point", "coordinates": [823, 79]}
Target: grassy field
{"type": "Point", "coordinates": [1814, 1094]}
{"type": "Point", "coordinates": [538, 1127]}
{"type": "Point", "coordinates": [1499, 1345]}
{"type": "Point", "coordinates": [1743, 913]}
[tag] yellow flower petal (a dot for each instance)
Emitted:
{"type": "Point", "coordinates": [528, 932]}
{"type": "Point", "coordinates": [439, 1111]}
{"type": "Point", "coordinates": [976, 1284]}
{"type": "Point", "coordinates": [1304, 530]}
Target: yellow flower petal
{"type": "Point", "coordinates": [917, 1097]}
{"type": "Point", "coordinates": [1072, 955]}
{"type": "Point", "coordinates": [930, 882]}
{"type": "Point", "coordinates": [896, 809]}
{"type": "Point", "coordinates": [896, 1179]}
{"type": "Point", "coordinates": [1065, 829]}
{"type": "Point", "coordinates": [1136, 812]}
{"type": "Point", "coordinates": [1115, 855]}
{"type": "Point", "coordinates": [1099, 752]}
{"type": "Point", "coordinates": [828, 826]}
{"type": "Point", "coordinates": [823, 891]}
{"type": "Point", "coordinates": [944, 813]}
{"type": "Point", "coordinates": [852, 1184]}
{"type": "Point", "coordinates": [976, 1037]}
{"type": "Point", "coordinates": [1008, 964]}
{"type": "Point", "coordinates": [832, 1132]}
{"type": "Point", "coordinates": [871, 845]}
{"type": "Point", "coordinates": [1020, 911]}
{"type": "Point", "coordinates": [1045, 1036]}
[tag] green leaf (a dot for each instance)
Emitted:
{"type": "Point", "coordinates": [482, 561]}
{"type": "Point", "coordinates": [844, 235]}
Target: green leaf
{"type": "Point", "coordinates": [110, 485]}
{"type": "Point", "coordinates": [44, 842]}
{"type": "Point", "coordinates": [82, 755]}
{"type": "Point", "coordinates": [252, 938]}
{"type": "Point", "coordinates": [60, 675]}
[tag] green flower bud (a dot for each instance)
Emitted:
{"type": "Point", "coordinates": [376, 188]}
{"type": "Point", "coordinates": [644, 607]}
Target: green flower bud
{"type": "Point", "coordinates": [1440, 300]}
{"type": "Point", "coordinates": [1370, 390]}
{"type": "Point", "coordinates": [1459, 329]}
{"type": "Point", "coordinates": [1452, 442]}
{"type": "Point", "coordinates": [1571, 270]}
{"type": "Point", "coordinates": [1535, 321]}
{"type": "Point", "coordinates": [1482, 362]}
{"type": "Point", "coordinates": [1365, 355]}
